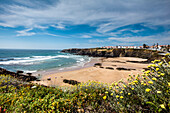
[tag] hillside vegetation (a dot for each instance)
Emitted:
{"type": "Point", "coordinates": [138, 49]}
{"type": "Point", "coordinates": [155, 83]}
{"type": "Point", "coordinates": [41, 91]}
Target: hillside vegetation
{"type": "Point", "coordinates": [148, 92]}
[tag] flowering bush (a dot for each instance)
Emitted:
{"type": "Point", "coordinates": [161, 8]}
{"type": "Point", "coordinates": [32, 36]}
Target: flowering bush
{"type": "Point", "coordinates": [148, 92]}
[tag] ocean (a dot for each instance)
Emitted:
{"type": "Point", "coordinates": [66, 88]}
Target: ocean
{"type": "Point", "coordinates": [38, 60]}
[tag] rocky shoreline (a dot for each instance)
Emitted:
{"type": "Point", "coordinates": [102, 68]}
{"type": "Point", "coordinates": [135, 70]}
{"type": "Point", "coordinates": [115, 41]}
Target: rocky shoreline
{"type": "Point", "coordinates": [19, 75]}
{"type": "Point", "coordinates": [110, 53]}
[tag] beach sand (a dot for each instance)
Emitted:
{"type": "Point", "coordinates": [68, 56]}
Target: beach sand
{"type": "Point", "coordinates": [103, 74]}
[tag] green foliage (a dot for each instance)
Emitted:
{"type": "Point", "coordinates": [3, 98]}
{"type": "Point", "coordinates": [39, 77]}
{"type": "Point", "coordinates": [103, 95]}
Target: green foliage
{"type": "Point", "coordinates": [148, 92]}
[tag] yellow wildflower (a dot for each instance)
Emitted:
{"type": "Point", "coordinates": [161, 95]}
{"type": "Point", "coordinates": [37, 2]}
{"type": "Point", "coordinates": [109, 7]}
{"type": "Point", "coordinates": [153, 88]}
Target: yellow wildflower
{"type": "Point", "coordinates": [147, 90]}
{"type": "Point", "coordinates": [121, 92]}
{"type": "Point", "coordinates": [121, 96]}
{"type": "Point", "coordinates": [129, 83]}
{"type": "Point", "coordinates": [110, 87]}
{"type": "Point", "coordinates": [162, 106]}
{"type": "Point", "coordinates": [149, 66]}
{"type": "Point", "coordinates": [129, 93]}
{"type": "Point", "coordinates": [144, 84]}
{"type": "Point", "coordinates": [117, 96]}
{"type": "Point", "coordinates": [124, 86]}
{"type": "Point", "coordinates": [153, 65]}
{"type": "Point", "coordinates": [160, 63]}
{"type": "Point", "coordinates": [157, 60]}
{"type": "Point", "coordinates": [169, 84]}
{"type": "Point", "coordinates": [104, 97]}
{"type": "Point", "coordinates": [135, 81]}
{"type": "Point", "coordinates": [157, 69]}
{"type": "Point", "coordinates": [162, 74]}
{"type": "Point", "coordinates": [167, 54]}
{"type": "Point", "coordinates": [106, 92]}
{"type": "Point", "coordinates": [147, 72]}
{"type": "Point", "coordinates": [53, 103]}
{"type": "Point", "coordinates": [154, 78]}
{"type": "Point", "coordinates": [159, 92]}
{"type": "Point", "coordinates": [111, 94]}
{"type": "Point", "coordinates": [117, 87]}
{"type": "Point", "coordinates": [116, 84]}
{"type": "Point", "coordinates": [132, 88]}
{"type": "Point", "coordinates": [143, 70]}
{"type": "Point", "coordinates": [150, 82]}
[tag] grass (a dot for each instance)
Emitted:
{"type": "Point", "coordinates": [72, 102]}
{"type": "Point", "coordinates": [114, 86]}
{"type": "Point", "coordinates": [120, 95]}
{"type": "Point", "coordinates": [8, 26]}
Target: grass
{"type": "Point", "coordinates": [148, 92]}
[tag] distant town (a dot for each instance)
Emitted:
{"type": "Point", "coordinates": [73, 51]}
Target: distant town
{"type": "Point", "coordinates": [157, 47]}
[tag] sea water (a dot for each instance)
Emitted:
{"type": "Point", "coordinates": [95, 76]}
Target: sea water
{"type": "Point", "coordinates": [38, 60]}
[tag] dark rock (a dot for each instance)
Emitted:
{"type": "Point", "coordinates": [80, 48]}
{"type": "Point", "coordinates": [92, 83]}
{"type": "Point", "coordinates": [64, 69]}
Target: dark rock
{"type": "Point", "coordinates": [127, 69]}
{"type": "Point", "coordinates": [143, 62]}
{"type": "Point", "coordinates": [146, 69]}
{"type": "Point", "coordinates": [49, 78]}
{"type": "Point", "coordinates": [72, 82]}
{"type": "Point", "coordinates": [109, 68]}
{"type": "Point", "coordinates": [97, 64]}
{"type": "Point", "coordinates": [29, 74]}
{"type": "Point", "coordinates": [18, 75]}
{"type": "Point", "coordinates": [118, 61]}
{"type": "Point", "coordinates": [20, 71]}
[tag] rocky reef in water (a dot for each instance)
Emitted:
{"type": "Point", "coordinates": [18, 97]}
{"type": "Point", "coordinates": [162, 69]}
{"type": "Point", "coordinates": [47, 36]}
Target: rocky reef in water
{"type": "Point", "coordinates": [100, 52]}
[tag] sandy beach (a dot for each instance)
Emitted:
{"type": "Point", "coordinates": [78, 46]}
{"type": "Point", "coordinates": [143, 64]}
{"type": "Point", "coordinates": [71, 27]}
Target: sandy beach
{"type": "Point", "coordinates": [107, 73]}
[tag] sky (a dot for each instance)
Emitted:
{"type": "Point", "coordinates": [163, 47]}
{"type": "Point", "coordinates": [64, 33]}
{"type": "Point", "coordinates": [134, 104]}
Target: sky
{"type": "Point", "coordinates": [62, 24]}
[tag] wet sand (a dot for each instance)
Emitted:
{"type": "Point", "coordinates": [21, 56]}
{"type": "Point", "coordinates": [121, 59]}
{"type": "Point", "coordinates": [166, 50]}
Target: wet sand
{"type": "Point", "coordinates": [107, 73]}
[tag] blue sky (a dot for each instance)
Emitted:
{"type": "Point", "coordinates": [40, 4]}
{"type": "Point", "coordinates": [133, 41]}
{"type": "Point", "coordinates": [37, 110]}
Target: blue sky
{"type": "Point", "coordinates": [59, 24]}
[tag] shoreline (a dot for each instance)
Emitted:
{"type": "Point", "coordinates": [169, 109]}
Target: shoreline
{"type": "Point", "coordinates": [107, 73]}
{"type": "Point", "coordinates": [90, 63]}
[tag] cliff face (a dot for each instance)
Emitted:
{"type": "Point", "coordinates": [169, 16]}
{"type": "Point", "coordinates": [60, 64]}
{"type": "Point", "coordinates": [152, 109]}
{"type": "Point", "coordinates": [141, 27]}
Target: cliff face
{"type": "Point", "coordinates": [97, 52]}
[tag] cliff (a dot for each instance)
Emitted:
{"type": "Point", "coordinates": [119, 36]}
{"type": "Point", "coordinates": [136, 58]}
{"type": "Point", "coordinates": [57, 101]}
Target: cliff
{"type": "Point", "coordinates": [99, 52]}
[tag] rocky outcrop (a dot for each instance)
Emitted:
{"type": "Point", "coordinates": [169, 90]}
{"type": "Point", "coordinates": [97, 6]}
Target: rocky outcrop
{"type": "Point", "coordinates": [18, 75]}
{"type": "Point", "coordinates": [98, 52]}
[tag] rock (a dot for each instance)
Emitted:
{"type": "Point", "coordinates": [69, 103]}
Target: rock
{"type": "Point", "coordinates": [146, 69]}
{"type": "Point", "coordinates": [72, 82]}
{"type": "Point", "coordinates": [97, 64]}
{"type": "Point", "coordinates": [18, 75]}
{"type": "Point", "coordinates": [127, 69]}
{"type": "Point", "coordinates": [29, 74]}
{"type": "Point", "coordinates": [110, 68]}
{"type": "Point", "coordinates": [20, 71]}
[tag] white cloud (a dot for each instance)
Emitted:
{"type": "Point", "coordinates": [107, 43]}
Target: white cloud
{"type": "Point", "coordinates": [163, 38]}
{"type": "Point", "coordinates": [5, 25]}
{"type": "Point", "coordinates": [86, 36]}
{"type": "Point", "coordinates": [114, 13]}
{"type": "Point", "coordinates": [26, 32]}
{"type": "Point", "coordinates": [55, 35]}
{"type": "Point", "coordinates": [59, 26]}
{"type": "Point", "coordinates": [41, 27]}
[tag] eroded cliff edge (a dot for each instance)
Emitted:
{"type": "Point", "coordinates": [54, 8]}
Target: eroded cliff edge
{"type": "Point", "coordinates": [99, 52]}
